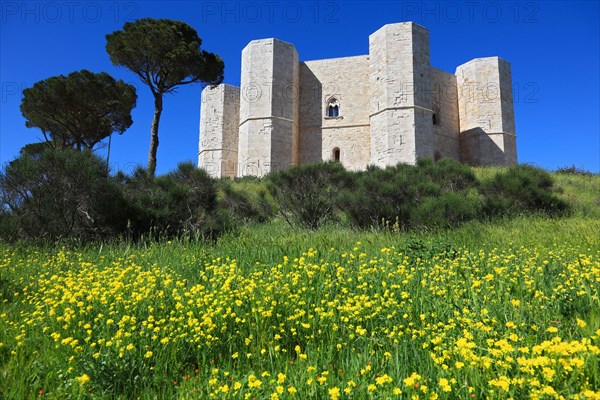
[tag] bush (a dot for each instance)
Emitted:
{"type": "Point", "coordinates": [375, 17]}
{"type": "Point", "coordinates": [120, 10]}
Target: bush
{"type": "Point", "coordinates": [447, 209]}
{"type": "Point", "coordinates": [182, 202]}
{"type": "Point", "coordinates": [428, 194]}
{"type": "Point", "coordinates": [379, 197]}
{"type": "Point", "coordinates": [53, 194]}
{"type": "Point", "coordinates": [521, 189]}
{"type": "Point", "coordinates": [458, 199]}
{"type": "Point", "coordinates": [9, 227]}
{"type": "Point", "coordinates": [449, 175]}
{"type": "Point", "coordinates": [246, 201]}
{"type": "Point", "coordinates": [305, 195]}
{"type": "Point", "coordinates": [573, 170]}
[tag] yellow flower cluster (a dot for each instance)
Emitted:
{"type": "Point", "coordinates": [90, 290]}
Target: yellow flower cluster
{"type": "Point", "coordinates": [500, 323]}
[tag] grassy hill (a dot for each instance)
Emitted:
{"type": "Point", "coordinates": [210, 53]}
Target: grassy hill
{"type": "Point", "coordinates": [503, 309]}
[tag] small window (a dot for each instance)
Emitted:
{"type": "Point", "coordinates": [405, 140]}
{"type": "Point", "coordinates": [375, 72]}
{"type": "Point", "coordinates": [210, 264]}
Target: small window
{"type": "Point", "coordinates": [333, 108]}
{"type": "Point", "coordinates": [336, 154]}
{"type": "Point", "coordinates": [434, 117]}
{"type": "Point", "coordinates": [333, 111]}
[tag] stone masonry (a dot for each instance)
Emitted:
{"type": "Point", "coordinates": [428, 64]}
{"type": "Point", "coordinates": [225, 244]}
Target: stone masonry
{"type": "Point", "coordinates": [380, 109]}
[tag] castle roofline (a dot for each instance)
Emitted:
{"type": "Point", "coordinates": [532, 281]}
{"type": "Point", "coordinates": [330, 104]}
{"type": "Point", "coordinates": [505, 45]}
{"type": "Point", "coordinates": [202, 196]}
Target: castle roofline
{"type": "Point", "coordinates": [269, 40]}
{"type": "Point", "coordinates": [220, 85]}
{"type": "Point", "coordinates": [401, 24]}
{"type": "Point", "coordinates": [483, 59]}
{"type": "Point", "coordinates": [335, 58]}
{"type": "Point", "coordinates": [229, 85]}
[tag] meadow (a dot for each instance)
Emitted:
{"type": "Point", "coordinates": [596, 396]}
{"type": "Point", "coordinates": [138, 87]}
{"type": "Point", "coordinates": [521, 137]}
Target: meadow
{"type": "Point", "coordinates": [488, 310]}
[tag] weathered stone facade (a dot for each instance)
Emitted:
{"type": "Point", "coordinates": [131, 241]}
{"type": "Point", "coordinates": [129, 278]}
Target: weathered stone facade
{"type": "Point", "coordinates": [387, 107]}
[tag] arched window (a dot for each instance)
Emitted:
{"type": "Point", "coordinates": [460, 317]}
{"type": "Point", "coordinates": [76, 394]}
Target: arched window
{"type": "Point", "coordinates": [435, 116]}
{"type": "Point", "coordinates": [333, 108]}
{"type": "Point", "coordinates": [333, 111]}
{"type": "Point", "coordinates": [336, 154]}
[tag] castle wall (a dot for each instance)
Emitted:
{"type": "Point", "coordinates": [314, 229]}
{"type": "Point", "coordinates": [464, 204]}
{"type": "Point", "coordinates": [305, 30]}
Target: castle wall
{"type": "Point", "coordinates": [346, 79]}
{"type": "Point", "coordinates": [393, 107]}
{"type": "Point", "coordinates": [268, 132]}
{"type": "Point", "coordinates": [400, 106]}
{"type": "Point", "coordinates": [219, 116]}
{"type": "Point", "coordinates": [486, 112]}
{"type": "Point", "coordinates": [445, 106]}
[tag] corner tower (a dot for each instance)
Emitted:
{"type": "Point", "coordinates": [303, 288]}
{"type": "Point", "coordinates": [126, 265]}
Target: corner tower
{"type": "Point", "coordinates": [219, 117]}
{"type": "Point", "coordinates": [268, 129]}
{"type": "Point", "coordinates": [486, 112]}
{"type": "Point", "coordinates": [400, 109]}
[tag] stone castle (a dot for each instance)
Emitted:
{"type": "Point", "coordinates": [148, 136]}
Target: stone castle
{"type": "Point", "coordinates": [387, 107]}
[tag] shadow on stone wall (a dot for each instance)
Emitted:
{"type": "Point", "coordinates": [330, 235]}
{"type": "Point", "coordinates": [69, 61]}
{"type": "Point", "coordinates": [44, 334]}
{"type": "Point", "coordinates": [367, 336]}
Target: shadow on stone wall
{"type": "Point", "coordinates": [478, 148]}
{"type": "Point", "coordinates": [311, 117]}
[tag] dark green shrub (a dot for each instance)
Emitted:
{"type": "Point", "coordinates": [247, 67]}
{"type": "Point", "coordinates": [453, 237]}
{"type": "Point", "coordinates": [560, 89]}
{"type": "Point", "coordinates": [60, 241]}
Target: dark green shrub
{"type": "Point", "coordinates": [9, 228]}
{"type": "Point", "coordinates": [521, 189]}
{"type": "Point", "coordinates": [245, 206]}
{"type": "Point", "coordinates": [450, 175]}
{"type": "Point", "coordinates": [181, 202]}
{"type": "Point", "coordinates": [53, 194]}
{"type": "Point", "coordinates": [573, 170]}
{"type": "Point", "coordinates": [379, 197]}
{"type": "Point", "coordinates": [415, 247]}
{"type": "Point", "coordinates": [447, 209]}
{"type": "Point", "coordinates": [305, 195]}
{"type": "Point", "coordinates": [458, 200]}
{"type": "Point", "coordinates": [248, 179]}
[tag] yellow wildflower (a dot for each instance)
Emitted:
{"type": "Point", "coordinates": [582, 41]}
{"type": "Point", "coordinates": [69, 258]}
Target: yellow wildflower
{"type": "Point", "coordinates": [83, 379]}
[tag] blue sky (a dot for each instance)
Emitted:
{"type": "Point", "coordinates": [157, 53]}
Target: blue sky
{"type": "Point", "coordinates": [553, 48]}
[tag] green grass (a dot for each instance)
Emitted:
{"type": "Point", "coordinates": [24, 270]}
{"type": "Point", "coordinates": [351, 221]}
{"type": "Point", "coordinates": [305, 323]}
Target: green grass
{"type": "Point", "coordinates": [473, 310]}
{"type": "Point", "coordinates": [581, 191]}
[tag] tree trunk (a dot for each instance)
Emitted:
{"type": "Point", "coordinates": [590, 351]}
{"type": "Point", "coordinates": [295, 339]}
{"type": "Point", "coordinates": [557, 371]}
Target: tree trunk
{"type": "Point", "coordinates": [154, 134]}
{"type": "Point", "coordinates": [108, 155]}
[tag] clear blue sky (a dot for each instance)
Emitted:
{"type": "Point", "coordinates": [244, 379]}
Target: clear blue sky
{"type": "Point", "coordinates": [553, 48]}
